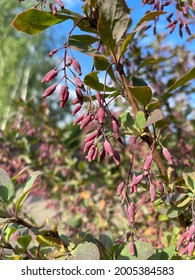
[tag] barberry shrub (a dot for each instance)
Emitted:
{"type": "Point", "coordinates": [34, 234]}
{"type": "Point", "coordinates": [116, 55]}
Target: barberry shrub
{"type": "Point", "coordinates": [124, 122]}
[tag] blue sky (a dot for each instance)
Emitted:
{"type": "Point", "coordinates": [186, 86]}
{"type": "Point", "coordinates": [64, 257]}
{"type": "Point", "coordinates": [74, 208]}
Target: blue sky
{"type": "Point", "coordinates": [137, 13]}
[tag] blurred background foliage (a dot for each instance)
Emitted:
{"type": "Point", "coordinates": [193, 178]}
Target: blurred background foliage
{"type": "Point", "coordinates": [80, 195]}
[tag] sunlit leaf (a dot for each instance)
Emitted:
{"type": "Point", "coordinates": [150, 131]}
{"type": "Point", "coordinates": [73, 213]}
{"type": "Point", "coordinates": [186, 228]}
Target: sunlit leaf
{"type": "Point", "coordinates": [34, 21]}
{"type": "Point", "coordinates": [83, 44]}
{"type": "Point", "coordinates": [24, 241]}
{"type": "Point", "coordinates": [92, 81]}
{"type": "Point", "coordinates": [189, 178]}
{"type": "Point", "coordinates": [113, 21]}
{"type": "Point", "coordinates": [155, 116]}
{"type": "Point", "coordinates": [142, 94]}
{"type": "Point", "coordinates": [6, 187]}
{"type": "Point", "coordinates": [140, 120]}
{"type": "Point", "coordinates": [140, 25]}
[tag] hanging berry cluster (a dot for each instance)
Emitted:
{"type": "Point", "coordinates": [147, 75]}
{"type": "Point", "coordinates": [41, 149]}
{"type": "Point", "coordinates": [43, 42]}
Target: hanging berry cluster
{"type": "Point", "coordinates": [183, 9]}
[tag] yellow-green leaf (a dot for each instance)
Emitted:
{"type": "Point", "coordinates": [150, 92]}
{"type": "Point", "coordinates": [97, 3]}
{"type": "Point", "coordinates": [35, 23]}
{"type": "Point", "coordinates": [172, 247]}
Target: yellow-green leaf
{"type": "Point", "coordinates": [33, 21]}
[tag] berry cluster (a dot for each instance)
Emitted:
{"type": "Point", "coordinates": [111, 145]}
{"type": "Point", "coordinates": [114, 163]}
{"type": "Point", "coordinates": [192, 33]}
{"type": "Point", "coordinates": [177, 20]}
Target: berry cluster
{"type": "Point", "coordinates": [181, 13]}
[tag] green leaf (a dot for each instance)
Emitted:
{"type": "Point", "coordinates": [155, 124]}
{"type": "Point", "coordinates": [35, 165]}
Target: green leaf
{"type": "Point", "coordinates": [24, 241]}
{"type": "Point", "coordinates": [185, 202]}
{"type": "Point", "coordinates": [6, 187]}
{"type": "Point", "coordinates": [137, 82]}
{"type": "Point", "coordinates": [140, 120]}
{"type": "Point", "coordinates": [48, 241]}
{"type": "Point", "coordinates": [101, 64]}
{"type": "Point", "coordinates": [155, 116]}
{"type": "Point", "coordinates": [3, 211]}
{"type": "Point", "coordinates": [86, 251]}
{"type": "Point", "coordinates": [183, 80]}
{"type": "Point", "coordinates": [142, 94]}
{"type": "Point", "coordinates": [92, 81]}
{"type": "Point", "coordinates": [27, 188]}
{"type": "Point", "coordinates": [82, 43]}
{"type": "Point", "coordinates": [189, 178]}
{"type": "Point", "coordinates": [143, 251]}
{"type": "Point", "coordinates": [148, 17]}
{"type": "Point", "coordinates": [8, 233]}
{"type": "Point", "coordinates": [140, 25]}
{"type": "Point", "coordinates": [149, 60]}
{"type": "Point", "coordinates": [17, 175]}
{"type": "Point", "coordinates": [127, 122]}
{"type": "Point", "coordinates": [174, 211]}
{"type": "Point", "coordinates": [165, 254]}
{"type": "Point", "coordinates": [113, 22]}
{"type": "Point", "coordinates": [34, 21]}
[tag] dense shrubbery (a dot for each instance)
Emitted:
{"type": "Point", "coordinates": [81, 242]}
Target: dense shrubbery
{"type": "Point", "coordinates": [118, 179]}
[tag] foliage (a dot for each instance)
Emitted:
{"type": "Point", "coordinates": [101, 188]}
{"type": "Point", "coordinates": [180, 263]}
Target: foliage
{"type": "Point", "coordinates": [137, 123]}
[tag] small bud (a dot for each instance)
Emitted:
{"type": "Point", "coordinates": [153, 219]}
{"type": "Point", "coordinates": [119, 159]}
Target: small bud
{"type": "Point", "coordinates": [53, 52]}
{"type": "Point", "coordinates": [193, 4]}
{"type": "Point", "coordinates": [181, 240]}
{"type": "Point", "coordinates": [85, 121]}
{"type": "Point", "coordinates": [120, 188]}
{"type": "Point", "coordinates": [75, 101]}
{"type": "Point", "coordinates": [91, 153]}
{"type": "Point", "coordinates": [136, 180]}
{"type": "Point", "coordinates": [167, 155]}
{"type": "Point", "coordinates": [78, 82]}
{"type": "Point", "coordinates": [88, 146]}
{"type": "Point", "coordinates": [78, 120]}
{"type": "Point", "coordinates": [190, 232]}
{"type": "Point", "coordinates": [79, 94]}
{"type": "Point", "coordinates": [102, 154]}
{"type": "Point", "coordinates": [115, 128]}
{"type": "Point", "coordinates": [152, 192]}
{"type": "Point", "coordinates": [116, 156]}
{"type": "Point", "coordinates": [60, 3]}
{"type": "Point", "coordinates": [183, 250]}
{"type": "Point", "coordinates": [91, 136]}
{"type": "Point", "coordinates": [131, 212]}
{"type": "Point", "coordinates": [190, 248]}
{"type": "Point", "coordinates": [108, 148]}
{"type": "Point", "coordinates": [131, 248]}
{"type": "Point", "coordinates": [119, 139]}
{"type": "Point", "coordinates": [68, 60]}
{"type": "Point", "coordinates": [160, 187]}
{"type": "Point", "coordinates": [49, 76]}
{"type": "Point", "coordinates": [98, 97]}
{"type": "Point", "coordinates": [49, 91]}
{"type": "Point", "coordinates": [64, 94]}
{"type": "Point", "coordinates": [95, 153]}
{"type": "Point", "coordinates": [76, 66]}
{"type": "Point", "coordinates": [53, 9]}
{"type": "Point", "coordinates": [101, 115]}
{"type": "Point", "coordinates": [78, 107]}
{"type": "Point", "coordinates": [148, 163]}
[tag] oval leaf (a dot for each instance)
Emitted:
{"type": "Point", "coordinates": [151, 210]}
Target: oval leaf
{"type": "Point", "coordinates": [113, 22]}
{"type": "Point", "coordinates": [143, 251]}
{"type": "Point", "coordinates": [33, 21]}
{"type": "Point", "coordinates": [86, 251]}
{"type": "Point", "coordinates": [24, 241]}
{"type": "Point", "coordinates": [142, 94]}
{"type": "Point", "coordinates": [155, 116]}
{"type": "Point", "coordinates": [92, 81]}
{"type": "Point", "coordinates": [6, 187]}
